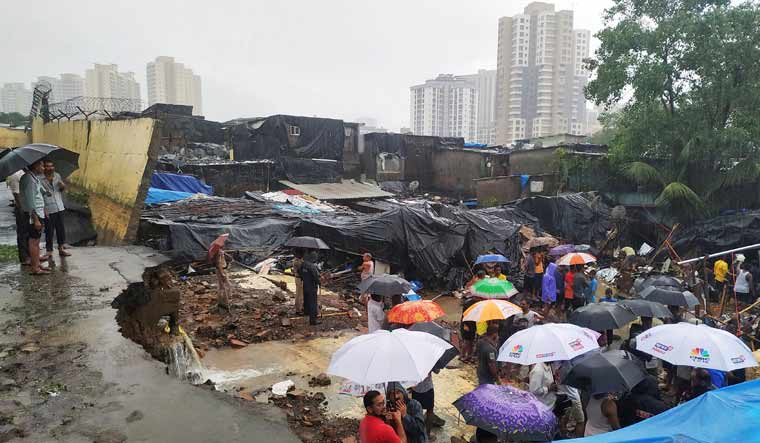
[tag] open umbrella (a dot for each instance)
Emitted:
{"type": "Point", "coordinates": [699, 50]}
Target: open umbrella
{"type": "Point", "coordinates": [537, 242]}
{"type": "Point", "coordinates": [699, 346]}
{"type": "Point", "coordinates": [646, 308]}
{"type": "Point", "coordinates": [491, 258]}
{"type": "Point", "coordinates": [576, 258]}
{"type": "Point", "coordinates": [385, 356]}
{"type": "Point", "coordinates": [670, 297]}
{"type": "Point", "coordinates": [549, 342]}
{"type": "Point", "coordinates": [657, 280]}
{"type": "Point", "coordinates": [601, 316]}
{"type": "Point", "coordinates": [411, 312]}
{"type": "Point", "coordinates": [442, 333]}
{"type": "Point", "coordinates": [561, 250]}
{"type": "Point", "coordinates": [385, 285]}
{"type": "Point", "coordinates": [600, 372]}
{"type": "Point", "coordinates": [490, 310]}
{"type": "Point", "coordinates": [17, 159]}
{"type": "Point", "coordinates": [508, 412]}
{"type": "Point", "coordinates": [307, 243]}
{"type": "Point", "coordinates": [493, 288]}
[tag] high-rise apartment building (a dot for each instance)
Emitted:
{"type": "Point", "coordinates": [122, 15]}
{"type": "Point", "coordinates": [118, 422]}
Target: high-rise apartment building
{"type": "Point", "coordinates": [107, 82]}
{"type": "Point", "coordinates": [173, 83]}
{"type": "Point", "coordinates": [455, 106]}
{"type": "Point", "coordinates": [485, 83]}
{"type": "Point", "coordinates": [15, 97]}
{"type": "Point", "coordinates": [540, 74]}
{"type": "Point", "coordinates": [445, 107]}
{"type": "Point", "coordinates": [65, 87]}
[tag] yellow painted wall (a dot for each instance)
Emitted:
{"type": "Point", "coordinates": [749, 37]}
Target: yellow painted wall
{"type": "Point", "coordinates": [10, 138]}
{"type": "Point", "coordinates": [113, 157]}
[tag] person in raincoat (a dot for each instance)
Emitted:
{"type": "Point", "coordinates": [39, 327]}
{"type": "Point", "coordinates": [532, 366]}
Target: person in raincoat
{"type": "Point", "coordinates": [413, 418]}
{"type": "Point", "coordinates": [549, 286]}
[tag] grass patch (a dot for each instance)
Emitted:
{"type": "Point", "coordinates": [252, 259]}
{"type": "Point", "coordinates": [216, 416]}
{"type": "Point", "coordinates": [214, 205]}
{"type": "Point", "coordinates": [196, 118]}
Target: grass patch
{"type": "Point", "coordinates": [8, 253]}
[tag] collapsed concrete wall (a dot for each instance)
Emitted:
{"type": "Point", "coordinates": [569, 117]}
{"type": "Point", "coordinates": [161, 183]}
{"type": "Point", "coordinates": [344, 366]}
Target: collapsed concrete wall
{"type": "Point", "coordinates": [10, 138]}
{"type": "Point", "coordinates": [116, 160]}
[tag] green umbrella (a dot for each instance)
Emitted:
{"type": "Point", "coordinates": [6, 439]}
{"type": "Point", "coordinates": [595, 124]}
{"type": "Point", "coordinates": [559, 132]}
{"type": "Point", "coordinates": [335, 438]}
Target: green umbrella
{"type": "Point", "coordinates": [493, 288]}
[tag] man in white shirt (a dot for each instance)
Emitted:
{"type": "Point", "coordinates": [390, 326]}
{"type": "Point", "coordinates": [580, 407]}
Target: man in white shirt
{"type": "Point", "coordinates": [22, 236]}
{"type": "Point", "coordinates": [542, 384]}
{"type": "Point", "coordinates": [531, 317]}
{"type": "Point", "coordinates": [375, 313]}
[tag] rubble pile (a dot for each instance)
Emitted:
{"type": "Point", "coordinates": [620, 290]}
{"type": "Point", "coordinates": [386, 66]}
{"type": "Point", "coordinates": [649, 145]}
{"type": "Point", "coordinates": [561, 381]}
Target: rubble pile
{"type": "Point", "coordinates": [308, 419]}
{"type": "Point", "coordinates": [260, 311]}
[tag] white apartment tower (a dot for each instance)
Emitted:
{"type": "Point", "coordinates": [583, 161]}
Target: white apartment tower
{"type": "Point", "coordinates": [15, 97]}
{"type": "Point", "coordinates": [107, 82]}
{"type": "Point", "coordinates": [173, 83]}
{"type": "Point", "coordinates": [485, 83]}
{"type": "Point", "coordinates": [445, 107]}
{"type": "Point", "coordinates": [540, 74]}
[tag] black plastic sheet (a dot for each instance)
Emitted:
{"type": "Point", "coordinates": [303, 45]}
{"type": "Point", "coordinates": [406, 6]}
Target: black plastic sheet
{"type": "Point", "coordinates": [718, 234]}
{"type": "Point", "coordinates": [575, 218]}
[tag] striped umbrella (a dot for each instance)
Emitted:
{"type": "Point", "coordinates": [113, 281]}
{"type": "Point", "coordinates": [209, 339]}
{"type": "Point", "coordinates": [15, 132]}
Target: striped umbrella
{"type": "Point", "coordinates": [493, 288]}
{"type": "Point", "coordinates": [576, 258]}
{"type": "Point", "coordinates": [411, 312]}
{"type": "Point", "coordinates": [491, 310]}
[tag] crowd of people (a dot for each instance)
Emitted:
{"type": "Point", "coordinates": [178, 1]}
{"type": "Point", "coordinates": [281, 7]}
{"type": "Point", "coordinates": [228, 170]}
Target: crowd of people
{"type": "Point", "coordinates": [550, 293]}
{"type": "Point", "coordinates": [39, 207]}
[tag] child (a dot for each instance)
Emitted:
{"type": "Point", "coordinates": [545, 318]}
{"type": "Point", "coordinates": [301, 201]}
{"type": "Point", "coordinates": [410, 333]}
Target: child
{"type": "Point", "coordinates": [591, 290]}
{"type": "Point", "coordinates": [608, 297]}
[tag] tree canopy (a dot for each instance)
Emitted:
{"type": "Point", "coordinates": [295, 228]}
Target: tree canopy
{"type": "Point", "coordinates": [688, 72]}
{"type": "Point", "coordinates": [12, 118]}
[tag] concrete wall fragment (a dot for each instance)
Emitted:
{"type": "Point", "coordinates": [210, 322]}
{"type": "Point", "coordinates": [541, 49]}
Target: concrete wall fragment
{"type": "Point", "coordinates": [116, 160]}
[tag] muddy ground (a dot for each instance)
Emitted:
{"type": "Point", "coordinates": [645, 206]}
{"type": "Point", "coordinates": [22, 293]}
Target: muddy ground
{"type": "Point", "coordinates": [260, 311]}
{"type": "Point", "coordinates": [67, 375]}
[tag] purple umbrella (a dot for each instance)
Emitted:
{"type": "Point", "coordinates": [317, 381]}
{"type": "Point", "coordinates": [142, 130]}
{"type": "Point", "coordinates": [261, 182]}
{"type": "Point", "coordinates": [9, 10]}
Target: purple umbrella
{"type": "Point", "coordinates": [508, 412]}
{"type": "Point", "coordinates": [561, 250]}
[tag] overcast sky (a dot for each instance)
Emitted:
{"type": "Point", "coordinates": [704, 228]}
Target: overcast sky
{"type": "Point", "coordinates": [332, 58]}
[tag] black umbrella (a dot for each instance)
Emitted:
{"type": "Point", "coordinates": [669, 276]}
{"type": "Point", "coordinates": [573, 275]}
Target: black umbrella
{"type": "Point", "coordinates": [670, 297]}
{"type": "Point", "coordinates": [601, 316]}
{"type": "Point", "coordinates": [647, 308]}
{"type": "Point", "coordinates": [665, 281]}
{"type": "Point", "coordinates": [439, 331]}
{"type": "Point", "coordinates": [17, 159]}
{"type": "Point", "coordinates": [385, 285]}
{"type": "Point", "coordinates": [307, 243]}
{"type": "Point", "coordinates": [601, 372]}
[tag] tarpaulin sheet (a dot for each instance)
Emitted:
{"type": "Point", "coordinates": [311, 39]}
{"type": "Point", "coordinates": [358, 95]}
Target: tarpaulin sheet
{"type": "Point", "coordinates": [309, 170]}
{"type": "Point", "coordinates": [729, 414]}
{"type": "Point", "coordinates": [576, 218]}
{"type": "Point", "coordinates": [259, 237]}
{"type": "Point", "coordinates": [718, 234]}
{"type": "Point", "coordinates": [178, 182]}
{"type": "Point", "coordinates": [156, 196]}
{"type": "Point", "coordinates": [274, 137]}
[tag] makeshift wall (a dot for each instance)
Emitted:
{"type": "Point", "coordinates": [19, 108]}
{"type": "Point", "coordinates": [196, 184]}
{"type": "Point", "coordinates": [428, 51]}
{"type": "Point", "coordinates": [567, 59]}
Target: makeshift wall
{"type": "Point", "coordinates": [116, 160]}
{"type": "Point", "coordinates": [455, 169]}
{"type": "Point", "coordinates": [533, 161]}
{"type": "Point", "coordinates": [231, 179]}
{"type": "Point", "coordinates": [10, 138]}
{"type": "Point", "coordinates": [499, 190]}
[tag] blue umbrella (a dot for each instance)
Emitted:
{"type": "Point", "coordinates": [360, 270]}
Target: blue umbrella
{"type": "Point", "coordinates": [491, 258]}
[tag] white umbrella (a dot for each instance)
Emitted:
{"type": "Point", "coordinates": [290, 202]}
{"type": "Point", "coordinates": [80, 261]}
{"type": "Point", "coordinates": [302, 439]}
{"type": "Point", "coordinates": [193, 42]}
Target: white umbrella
{"type": "Point", "coordinates": [385, 356]}
{"type": "Point", "coordinates": [699, 346]}
{"type": "Point", "coordinates": [544, 343]}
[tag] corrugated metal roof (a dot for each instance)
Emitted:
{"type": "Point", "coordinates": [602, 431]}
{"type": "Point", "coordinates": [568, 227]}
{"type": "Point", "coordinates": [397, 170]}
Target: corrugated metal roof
{"type": "Point", "coordinates": [345, 190]}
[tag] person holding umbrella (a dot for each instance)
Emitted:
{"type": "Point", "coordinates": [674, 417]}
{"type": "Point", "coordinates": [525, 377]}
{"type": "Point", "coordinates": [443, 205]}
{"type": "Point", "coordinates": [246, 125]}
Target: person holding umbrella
{"type": "Point", "coordinates": [34, 204]}
{"type": "Point", "coordinates": [310, 275]}
{"type": "Point", "coordinates": [374, 427]}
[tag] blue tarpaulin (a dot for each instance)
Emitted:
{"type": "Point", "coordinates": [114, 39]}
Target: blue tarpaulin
{"type": "Point", "coordinates": [178, 182]}
{"type": "Point", "coordinates": [163, 196]}
{"type": "Point", "coordinates": [730, 414]}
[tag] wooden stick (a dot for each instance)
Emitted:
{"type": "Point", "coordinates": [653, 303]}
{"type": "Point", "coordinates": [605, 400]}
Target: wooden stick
{"type": "Point", "coordinates": [757, 303]}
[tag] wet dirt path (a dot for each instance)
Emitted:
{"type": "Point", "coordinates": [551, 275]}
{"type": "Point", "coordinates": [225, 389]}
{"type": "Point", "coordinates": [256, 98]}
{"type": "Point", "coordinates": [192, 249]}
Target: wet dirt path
{"type": "Point", "coordinates": [67, 374]}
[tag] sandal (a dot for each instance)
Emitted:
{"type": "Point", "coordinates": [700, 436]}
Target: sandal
{"type": "Point", "coordinates": [41, 272]}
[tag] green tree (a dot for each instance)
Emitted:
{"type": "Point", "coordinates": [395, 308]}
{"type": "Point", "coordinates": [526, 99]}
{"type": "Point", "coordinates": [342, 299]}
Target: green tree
{"type": "Point", "coordinates": [12, 118]}
{"type": "Point", "coordinates": [689, 74]}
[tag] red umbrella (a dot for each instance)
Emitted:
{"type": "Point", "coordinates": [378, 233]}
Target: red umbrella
{"type": "Point", "coordinates": [216, 246]}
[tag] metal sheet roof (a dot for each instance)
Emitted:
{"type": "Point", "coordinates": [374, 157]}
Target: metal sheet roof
{"type": "Point", "coordinates": [345, 190]}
